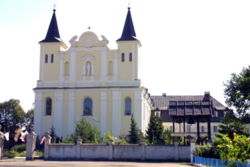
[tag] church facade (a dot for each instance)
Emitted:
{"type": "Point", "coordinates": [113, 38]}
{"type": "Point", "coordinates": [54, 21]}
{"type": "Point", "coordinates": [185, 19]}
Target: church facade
{"type": "Point", "coordinates": [89, 80]}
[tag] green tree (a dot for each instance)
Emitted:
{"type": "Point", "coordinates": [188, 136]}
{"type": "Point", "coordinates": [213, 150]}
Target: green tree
{"type": "Point", "coordinates": [236, 149]}
{"type": "Point", "coordinates": [86, 131]}
{"type": "Point", "coordinates": [237, 91]}
{"type": "Point", "coordinates": [134, 135]}
{"type": "Point", "coordinates": [11, 118]}
{"type": "Point", "coordinates": [29, 120]}
{"type": "Point", "coordinates": [167, 136]}
{"type": "Point", "coordinates": [155, 131]}
{"type": "Point", "coordinates": [231, 124]}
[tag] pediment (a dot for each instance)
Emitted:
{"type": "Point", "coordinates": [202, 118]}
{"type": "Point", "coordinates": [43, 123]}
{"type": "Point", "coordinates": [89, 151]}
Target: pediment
{"type": "Point", "coordinates": [88, 40]}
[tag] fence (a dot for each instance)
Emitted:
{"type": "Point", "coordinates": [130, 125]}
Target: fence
{"type": "Point", "coordinates": [207, 162]}
{"type": "Point", "coordinates": [129, 152]}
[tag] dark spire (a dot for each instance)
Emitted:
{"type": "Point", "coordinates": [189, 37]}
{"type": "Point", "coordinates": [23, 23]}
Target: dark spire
{"type": "Point", "coordinates": [52, 33]}
{"type": "Point", "coordinates": [128, 33]}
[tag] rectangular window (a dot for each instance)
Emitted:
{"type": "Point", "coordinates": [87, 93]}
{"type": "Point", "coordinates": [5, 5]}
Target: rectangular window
{"type": "Point", "coordinates": [52, 58]}
{"type": "Point", "coordinates": [188, 128]}
{"type": "Point", "coordinates": [130, 56]}
{"type": "Point", "coordinates": [215, 129]}
{"type": "Point", "coordinates": [202, 129]}
{"type": "Point", "coordinates": [123, 57]}
{"type": "Point", "coordinates": [46, 58]}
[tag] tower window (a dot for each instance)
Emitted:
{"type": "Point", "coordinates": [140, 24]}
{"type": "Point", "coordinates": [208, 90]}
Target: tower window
{"type": "Point", "coordinates": [87, 107]}
{"type": "Point", "coordinates": [48, 106]}
{"type": "Point", "coordinates": [52, 58]}
{"type": "Point", "coordinates": [123, 57]}
{"type": "Point", "coordinates": [46, 58]}
{"type": "Point", "coordinates": [128, 106]}
{"type": "Point", "coordinates": [130, 56]}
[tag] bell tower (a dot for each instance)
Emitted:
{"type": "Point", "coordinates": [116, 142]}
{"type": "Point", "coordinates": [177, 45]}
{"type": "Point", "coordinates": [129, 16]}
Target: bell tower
{"type": "Point", "coordinates": [49, 52]}
{"type": "Point", "coordinates": [128, 51]}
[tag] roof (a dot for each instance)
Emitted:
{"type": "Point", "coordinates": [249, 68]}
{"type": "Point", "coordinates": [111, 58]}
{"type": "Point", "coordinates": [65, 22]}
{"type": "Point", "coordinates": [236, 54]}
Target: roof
{"type": "Point", "coordinates": [53, 32]}
{"type": "Point", "coordinates": [162, 102]}
{"type": "Point", "coordinates": [128, 33]}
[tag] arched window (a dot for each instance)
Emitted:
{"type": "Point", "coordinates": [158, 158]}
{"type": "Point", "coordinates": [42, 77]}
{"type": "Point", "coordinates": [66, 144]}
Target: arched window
{"type": "Point", "coordinates": [52, 58]}
{"type": "Point", "coordinates": [87, 107]}
{"type": "Point", "coordinates": [66, 68]}
{"type": "Point", "coordinates": [88, 68]}
{"type": "Point", "coordinates": [46, 58]}
{"type": "Point", "coordinates": [110, 68]}
{"type": "Point", "coordinates": [128, 106]}
{"type": "Point", "coordinates": [48, 106]}
{"type": "Point", "coordinates": [123, 57]}
{"type": "Point", "coordinates": [130, 57]}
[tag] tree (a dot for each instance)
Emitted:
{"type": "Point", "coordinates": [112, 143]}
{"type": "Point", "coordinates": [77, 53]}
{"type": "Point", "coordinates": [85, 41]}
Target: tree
{"type": "Point", "coordinates": [235, 149]}
{"type": "Point", "coordinates": [29, 120]}
{"type": "Point", "coordinates": [237, 91]}
{"type": "Point", "coordinates": [86, 131]}
{"type": "Point", "coordinates": [11, 118]}
{"type": "Point", "coordinates": [155, 131]}
{"type": "Point", "coordinates": [231, 124]}
{"type": "Point", "coordinates": [134, 136]}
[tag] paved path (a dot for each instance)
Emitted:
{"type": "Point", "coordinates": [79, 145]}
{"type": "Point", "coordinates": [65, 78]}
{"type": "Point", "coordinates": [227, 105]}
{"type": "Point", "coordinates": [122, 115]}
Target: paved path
{"type": "Point", "coordinates": [41, 163]}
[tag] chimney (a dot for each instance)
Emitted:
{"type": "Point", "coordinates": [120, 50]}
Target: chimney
{"type": "Point", "coordinates": [164, 94]}
{"type": "Point", "coordinates": [206, 96]}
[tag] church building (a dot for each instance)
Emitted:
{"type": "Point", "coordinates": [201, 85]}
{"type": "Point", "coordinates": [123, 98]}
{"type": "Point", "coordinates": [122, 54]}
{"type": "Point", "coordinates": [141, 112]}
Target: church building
{"type": "Point", "coordinates": [89, 80]}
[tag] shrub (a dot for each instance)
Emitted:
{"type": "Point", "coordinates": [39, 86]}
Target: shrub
{"type": "Point", "coordinates": [18, 148]}
{"type": "Point", "coordinates": [207, 151]}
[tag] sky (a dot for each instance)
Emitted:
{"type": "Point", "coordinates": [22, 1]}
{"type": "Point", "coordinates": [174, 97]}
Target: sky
{"type": "Point", "coordinates": [188, 46]}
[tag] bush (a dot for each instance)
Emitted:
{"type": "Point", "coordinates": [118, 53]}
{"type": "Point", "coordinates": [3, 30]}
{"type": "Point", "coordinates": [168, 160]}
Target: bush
{"type": "Point", "coordinates": [9, 154]}
{"type": "Point", "coordinates": [236, 149]}
{"type": "Point", "coordinates": [19, 148]}
{"type": "Point", "coordinates": [207, 151]}
{"type": "Point", "coordinates": [86, 131]}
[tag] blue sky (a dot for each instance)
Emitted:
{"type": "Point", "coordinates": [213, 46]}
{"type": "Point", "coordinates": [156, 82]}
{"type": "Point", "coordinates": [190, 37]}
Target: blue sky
{"type": "Point", "coordinates": [188, 47]}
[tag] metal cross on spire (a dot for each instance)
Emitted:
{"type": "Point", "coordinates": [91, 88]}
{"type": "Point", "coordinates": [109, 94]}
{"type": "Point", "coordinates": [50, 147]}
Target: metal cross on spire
{"type": "Point", "coordinates": [54, 7]}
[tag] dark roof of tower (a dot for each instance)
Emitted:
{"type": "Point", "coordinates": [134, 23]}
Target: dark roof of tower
{"type": "Point", "coordinates": [128, 33]}
{"type": "Point", "coordinates": [53, 32]}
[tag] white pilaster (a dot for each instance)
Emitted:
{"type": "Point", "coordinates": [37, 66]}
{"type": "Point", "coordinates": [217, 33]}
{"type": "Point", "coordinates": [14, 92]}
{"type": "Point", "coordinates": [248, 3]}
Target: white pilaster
{"type": "Point", "coordinates": [138, 109]}
{"type": "Point", "coordinates": [116, 70]}
{"type": "Point", "coordinates": [73, 65]}
{"type": "Point", "coordinates": [61, 67]}
{"type": "Point", "coordinates": [134, 57]}
{"type": "Point", "coordinates": [42, 58]}
{"type": "Point", "coordinates": [71, 112]}
{"type": "Point", "coordinates": [58, 113]}
{"type": "Point", "coordinates": [38, 113]}
{"type": "Point", "coordinates": [104, 64]}
{"type": "Point", "coordinates": [116, 113]}
{"type": "Point", "coordinates": [103, 111]}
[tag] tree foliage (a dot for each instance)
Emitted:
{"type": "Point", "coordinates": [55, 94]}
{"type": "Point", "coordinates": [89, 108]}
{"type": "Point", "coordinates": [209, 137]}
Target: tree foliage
{"type": "Point", "coordinates": [86, 131]}
{"type": "Point", "coordinates": [11, 115]}
{"type": "Point", "coordinates": [134, 135]}
{"type": "Point", "coordinates": [231, 124]}
{"type": "Point", "coordinates": [237, 91]}
{"type": "Point", "coordinates": [29, 120]}
{"type": "Point", "coordinates": [236, 149]}
{"type": "Point", "coordinates": [155, 131]}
